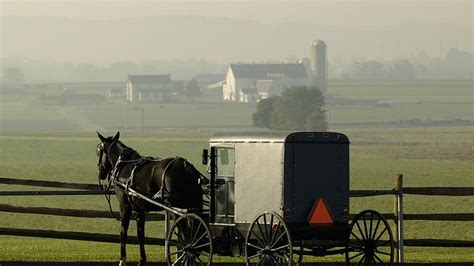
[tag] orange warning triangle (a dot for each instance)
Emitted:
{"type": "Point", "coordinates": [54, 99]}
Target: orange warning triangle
{"type": "Point", "coordinates": [320, 214]}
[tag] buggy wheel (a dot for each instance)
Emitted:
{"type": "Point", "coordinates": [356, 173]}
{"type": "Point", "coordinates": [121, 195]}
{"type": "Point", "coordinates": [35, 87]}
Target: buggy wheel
{"type": "Point", "coordinates": [189, 242]}
{"type": "Point", "coordinates": [370, 241]}
{"type": "Point", "coordinates": [268, 241]}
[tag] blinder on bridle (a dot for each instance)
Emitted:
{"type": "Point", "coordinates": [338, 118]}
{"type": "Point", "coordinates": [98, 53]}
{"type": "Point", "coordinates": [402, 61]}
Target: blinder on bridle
{"type": "Point", "coordinates": [104, 165]}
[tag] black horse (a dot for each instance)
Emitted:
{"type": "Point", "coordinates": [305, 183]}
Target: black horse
{"type": "Point", "coordinates": [171, 181]}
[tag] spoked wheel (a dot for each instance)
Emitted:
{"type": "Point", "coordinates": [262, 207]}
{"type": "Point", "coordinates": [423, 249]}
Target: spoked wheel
{"type": "Point", "coordinates": [189, 242]}
{"type": "Point", "coordinates": [268, 241]}
{"type": "Point", "coordinates": [370, 241]}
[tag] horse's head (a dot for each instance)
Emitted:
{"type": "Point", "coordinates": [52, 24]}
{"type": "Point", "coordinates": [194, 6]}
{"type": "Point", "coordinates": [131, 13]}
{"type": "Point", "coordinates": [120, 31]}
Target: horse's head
{"type": "Point", "coordinates": [107, 151]}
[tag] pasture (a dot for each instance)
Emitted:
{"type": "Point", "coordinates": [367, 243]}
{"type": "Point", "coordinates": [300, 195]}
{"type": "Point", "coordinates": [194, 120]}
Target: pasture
{"type": "Point", "coordinates": [376, 157]}
{"type": "Point", "coordinates": [56, 142]}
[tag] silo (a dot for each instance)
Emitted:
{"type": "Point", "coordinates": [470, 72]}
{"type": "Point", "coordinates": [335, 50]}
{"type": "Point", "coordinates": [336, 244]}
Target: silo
{"type": "Point", "coordinates": [319, 65]}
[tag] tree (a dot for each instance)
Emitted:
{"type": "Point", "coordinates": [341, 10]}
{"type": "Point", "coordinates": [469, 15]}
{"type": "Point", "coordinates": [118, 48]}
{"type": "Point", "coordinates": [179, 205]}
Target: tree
{"type": "Point", "coordinates": [264, 110]}
{"type": "Point", "coordinates": [298, 108]}
{"type": "Point", "coordinates": [12, 75]}
{"type": "Point", "coordinates": [192, 89]}
{"type": "Point", "coordinates": [402, 70]}
{"type": "Point", "coordinates": [368, 70]}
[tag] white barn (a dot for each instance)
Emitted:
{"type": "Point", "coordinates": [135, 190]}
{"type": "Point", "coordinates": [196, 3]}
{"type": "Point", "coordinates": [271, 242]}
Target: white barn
{"type": "Point", "coordinates": [272, 78]}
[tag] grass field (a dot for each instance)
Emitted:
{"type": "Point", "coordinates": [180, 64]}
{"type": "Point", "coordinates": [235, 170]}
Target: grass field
{"type": "Point", "coordinates": [57, 142]}
{"type": "Point", "coordinates": [376, 157]}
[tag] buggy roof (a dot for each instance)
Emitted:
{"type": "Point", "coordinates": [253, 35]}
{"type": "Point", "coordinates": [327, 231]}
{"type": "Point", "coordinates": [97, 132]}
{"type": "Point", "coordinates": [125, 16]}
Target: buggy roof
{"type": "Point", "coordinates": [279, 137]}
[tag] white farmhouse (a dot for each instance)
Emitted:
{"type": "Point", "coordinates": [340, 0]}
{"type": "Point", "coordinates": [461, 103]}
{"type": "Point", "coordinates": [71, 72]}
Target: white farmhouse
{"type": "Point", "coordinates": [251, 82]}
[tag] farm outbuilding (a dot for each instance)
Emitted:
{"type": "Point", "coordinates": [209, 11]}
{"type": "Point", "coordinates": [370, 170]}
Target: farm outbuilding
{"type": "Point", "coordinates": [148, 88]}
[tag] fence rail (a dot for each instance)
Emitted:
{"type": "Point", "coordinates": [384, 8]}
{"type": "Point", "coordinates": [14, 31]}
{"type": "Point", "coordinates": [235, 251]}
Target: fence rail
{"type": "Point", "coordinates": [439, 191]}
{"type": "Point", "coordinates": [94, 189]}
{"type": "Point", "coordinates": [107, 238]}
{"type": "Point", "coordinates": [41, 183]}
{"type": "Point", "coordinates": [71, 212]}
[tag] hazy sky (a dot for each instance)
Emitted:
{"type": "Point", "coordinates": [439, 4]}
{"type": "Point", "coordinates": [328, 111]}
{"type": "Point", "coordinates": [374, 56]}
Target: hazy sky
{"type": "Point", "coordinates": [340, 13]}
{"type": "Point", "coordinates": [353, 29]}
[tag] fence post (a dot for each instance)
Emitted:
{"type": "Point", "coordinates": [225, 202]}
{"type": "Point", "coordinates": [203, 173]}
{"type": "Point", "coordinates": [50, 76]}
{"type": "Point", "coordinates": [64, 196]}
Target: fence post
{"type": "Point", "coordinates": [398, 213]}
{"type": "Point", "coordinates": [167, 230]}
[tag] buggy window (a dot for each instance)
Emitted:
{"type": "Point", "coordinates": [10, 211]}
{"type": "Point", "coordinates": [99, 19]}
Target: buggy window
{"type": "Point", "coordinates": [225, 162]}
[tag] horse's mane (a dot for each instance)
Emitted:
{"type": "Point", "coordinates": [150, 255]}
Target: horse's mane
{"type": "Point", "coordinates": [125, 147]}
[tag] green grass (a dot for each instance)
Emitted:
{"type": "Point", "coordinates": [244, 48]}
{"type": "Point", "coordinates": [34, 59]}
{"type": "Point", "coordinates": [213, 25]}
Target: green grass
{"type": "Point", "coordinates": [42, 149]}
{"type": "Point", "coordinates": [426, 157]}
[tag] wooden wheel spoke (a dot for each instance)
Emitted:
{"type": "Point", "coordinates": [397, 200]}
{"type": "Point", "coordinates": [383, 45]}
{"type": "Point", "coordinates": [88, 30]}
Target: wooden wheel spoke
{"type": "Point", "coordinates": [276, 232]}
{"type": "Point", "coordinates": [181, 232]}
{"type": "Point", "coordinates": [366, 233]}
{"type": "Point", "coordinates": [361, 259]}
{"type": "Point", "coordinates": [264, 240]}
{"type": "Point", "coordinates": [285, 258]}
{"type": "Point", "coordinates": [369, 233]}
{"type": "Point", "coordinates": [198, 259]}
{"type": "Point", "coordinates": [259, 253]}
{"type": "Point", "coordinates": [270, 233]}
{"type": "Point", "coordinates": [254, 246]}
{"type": "Point", "coordinates": [278, 240]}
{"type": "Point", "coordinates": [196, 234]}
{"type": "Point", "coordinates": [176, 252]}
{"type": "Point", "coordinates": [191, 230]}
{"type": "Point", "coordinates": [383, 231]}
{"type": "Point", "coordinates": [201, 246]}
{"type": "Point", "coordinates": [382, 243]}
{"type": "Point", "coordinates": [357, 255]}
{"type": "Point", "coordinates": [179, 258]}
{"type": "Point", "coordinates": [379, 259]}
{"type": "Point", "coordinates": [360, 230]}
{"type": "Point", "coordinates": [358, 239]}
{"type": "Point", "coordinates": [176, 244]}
{"type": "Point", "coordinates": [260, 242]}
{"type": "Point", "coordinates": [265, 227]}
{"type": "Point", "coordinates": [200, 238]}
{"type": "Point", "coordinates": [381, 252]}
{"type": "Point", "coordinates": [279, 248]}
{"type": "Point", "coordinates": [375, 230]}
{"type": "Point", "coordinates": [177, 233]}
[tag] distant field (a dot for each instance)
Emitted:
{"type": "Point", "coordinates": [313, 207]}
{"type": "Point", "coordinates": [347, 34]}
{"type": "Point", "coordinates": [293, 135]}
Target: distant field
{"type": "Point", "coordinates": [27, 112]}
{"type": "Point", "coordinates": [427, 157]}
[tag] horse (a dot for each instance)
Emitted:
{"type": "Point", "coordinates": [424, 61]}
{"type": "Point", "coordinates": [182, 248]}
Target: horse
{"type": "Point", "coordinates": [171, 181]}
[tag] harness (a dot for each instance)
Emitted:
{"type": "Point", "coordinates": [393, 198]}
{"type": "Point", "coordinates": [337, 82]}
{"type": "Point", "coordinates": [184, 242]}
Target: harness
{"type": "Point", "coordinates": [137, 164]}
{"type": "Point", "coordinates": [161, 193]}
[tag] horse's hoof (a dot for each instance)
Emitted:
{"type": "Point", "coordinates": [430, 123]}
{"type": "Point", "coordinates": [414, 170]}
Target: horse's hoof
{"type": "Point", "coordinates": [123, 263]}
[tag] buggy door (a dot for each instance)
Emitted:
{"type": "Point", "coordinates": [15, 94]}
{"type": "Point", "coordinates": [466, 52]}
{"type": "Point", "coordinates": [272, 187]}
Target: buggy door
{"type": "Point", "coordinates": [225, 199]}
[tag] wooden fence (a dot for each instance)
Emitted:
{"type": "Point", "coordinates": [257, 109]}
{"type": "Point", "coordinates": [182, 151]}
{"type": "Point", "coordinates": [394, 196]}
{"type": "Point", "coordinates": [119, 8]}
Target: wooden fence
{"type": "Point", "coordinates": [92, 189]}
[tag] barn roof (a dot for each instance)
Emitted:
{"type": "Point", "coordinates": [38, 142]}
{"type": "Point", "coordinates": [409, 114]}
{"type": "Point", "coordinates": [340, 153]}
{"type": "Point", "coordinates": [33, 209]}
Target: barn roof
{"type": "Point", "coordinates": [209, 78]}
{"type": "Point", "coordinates": [268, 71]}
{"type": "Point", "coordinates": [149, 79]}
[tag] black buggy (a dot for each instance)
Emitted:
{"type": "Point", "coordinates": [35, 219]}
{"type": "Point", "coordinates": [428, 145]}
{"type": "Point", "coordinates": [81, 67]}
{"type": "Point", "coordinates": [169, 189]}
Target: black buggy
{"type": "Point", "coordinates": [274, 198]}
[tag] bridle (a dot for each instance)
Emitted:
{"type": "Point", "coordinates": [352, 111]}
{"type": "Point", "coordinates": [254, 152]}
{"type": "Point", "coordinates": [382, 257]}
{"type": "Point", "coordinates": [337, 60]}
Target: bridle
{"type": "Point", "coordinates": [105, 170]}
{"type": "Point", "coordinates": [104, 173]}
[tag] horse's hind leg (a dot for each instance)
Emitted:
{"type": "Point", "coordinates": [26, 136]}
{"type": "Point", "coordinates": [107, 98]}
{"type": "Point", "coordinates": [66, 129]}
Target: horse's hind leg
{"type": "Point", "coordinates": [141, 237]}
{"type": "Point", "coordinates": [125, 214]}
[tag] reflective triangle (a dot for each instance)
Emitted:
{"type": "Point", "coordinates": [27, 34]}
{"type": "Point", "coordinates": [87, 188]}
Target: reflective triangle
{"type": "Point", "coordinates": [320, 213]}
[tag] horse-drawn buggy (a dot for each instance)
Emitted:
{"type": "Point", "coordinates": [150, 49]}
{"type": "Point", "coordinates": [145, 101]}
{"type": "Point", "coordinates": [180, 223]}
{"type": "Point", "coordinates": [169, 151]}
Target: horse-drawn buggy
{"type": "Point", "coordinates": [270, 197]}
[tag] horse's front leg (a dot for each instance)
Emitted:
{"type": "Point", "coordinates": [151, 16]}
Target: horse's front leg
{"type": "Point", "coordinates": [141, 236]}
{"type": "Point", "coordinates": [125, 215]}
